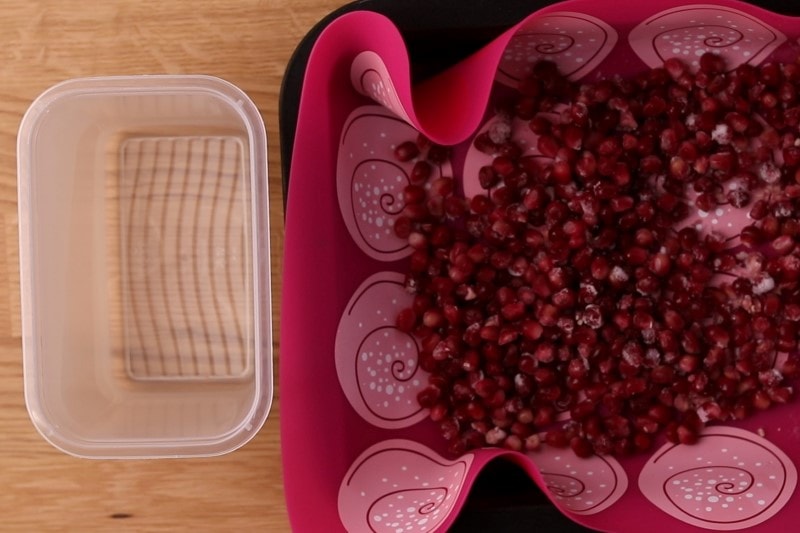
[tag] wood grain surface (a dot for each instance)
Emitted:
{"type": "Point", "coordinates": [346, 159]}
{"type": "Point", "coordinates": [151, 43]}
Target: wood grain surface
{"type": "Point", "coordinates": [246, 42]}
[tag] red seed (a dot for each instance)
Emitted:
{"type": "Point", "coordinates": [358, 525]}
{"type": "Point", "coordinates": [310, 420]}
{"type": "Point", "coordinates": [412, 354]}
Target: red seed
{"type": "Point", "coordinates": [406, 320]}
{"type": "Point", "coordinates": [783, 245]}
{"type": "Point", "coordinates": [487, 176]}
{"type": "Point", "coordinates": [438, 154]}
{"type": "Point", "coordinates": [420, 173]}
{"type": "Point", "coordinates": [406, 151]}
{"type": "Point", "coordinates": [686, 435]}
{"type": "Point", "coordinates": [581, 447]}
{"type": "Point", "coordinates": [573, 137]}
{"type": "Point", "coordinates": [761, 400]}
{"type": "Point", "coordinates": [556, 438]}
{"type": "Point", "coordinates": [547, 146]}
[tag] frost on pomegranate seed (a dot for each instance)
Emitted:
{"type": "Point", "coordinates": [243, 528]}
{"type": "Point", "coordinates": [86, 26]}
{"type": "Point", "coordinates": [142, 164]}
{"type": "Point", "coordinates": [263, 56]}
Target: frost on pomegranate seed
{"type": "Point", "coordinates": [500, 130]}
{"type": "Point", "coordinates": [722, 134]}
{"type": "Point", "coordinates": [618, 275]}
{"type": "Point", "coordinates": [495, 436]}
{"type": "Point", "coordinates": [769, 172]}
{"type": "Point", "coordinates": [763, 284]}
{"type": "Point", "coordinates": [591, 316]}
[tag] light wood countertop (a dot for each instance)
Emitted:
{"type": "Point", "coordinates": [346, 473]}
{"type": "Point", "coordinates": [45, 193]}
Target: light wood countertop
{"type": "Point", "coordinates": [247, 42]}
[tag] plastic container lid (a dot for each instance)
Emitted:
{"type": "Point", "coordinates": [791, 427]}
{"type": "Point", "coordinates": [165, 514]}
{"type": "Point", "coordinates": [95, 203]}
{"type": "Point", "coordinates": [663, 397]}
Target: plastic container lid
{"type": "Point", "coordinates": [144, 259]}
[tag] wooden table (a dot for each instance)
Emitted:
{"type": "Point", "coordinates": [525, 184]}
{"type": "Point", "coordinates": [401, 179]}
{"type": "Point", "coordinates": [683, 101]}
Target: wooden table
{"type": "Point", "coordinates": [247, 42]}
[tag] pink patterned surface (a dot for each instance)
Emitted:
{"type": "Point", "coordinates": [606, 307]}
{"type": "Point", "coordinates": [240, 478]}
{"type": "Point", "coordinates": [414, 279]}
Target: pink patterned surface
{"type": "Point", "coordinates": [583, 486]}
{"type": "Point", "coordinates": [370, 181]}
{"type": "Point", "coordinates": [400, 486]}
{"type": "Point", "coordinates": [370, 77]}
{"type": "Point", "coordinates": [377, 363]}
{"type": "Point", "coordinates": [725, 220]}
{"type": "Point", "coordinates": [335, 222]}
{"type": "Point", "coordinates": [689, 31]}
{"type": "Point", "coordinates": [731, 479]}
{"type": "Point", "coordinates": [576, 42]}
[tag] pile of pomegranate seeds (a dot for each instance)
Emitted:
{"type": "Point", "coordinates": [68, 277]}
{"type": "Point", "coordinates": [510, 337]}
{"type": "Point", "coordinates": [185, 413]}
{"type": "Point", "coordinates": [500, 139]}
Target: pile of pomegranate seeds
{"type": "Point", "coordinates": [570, 305]}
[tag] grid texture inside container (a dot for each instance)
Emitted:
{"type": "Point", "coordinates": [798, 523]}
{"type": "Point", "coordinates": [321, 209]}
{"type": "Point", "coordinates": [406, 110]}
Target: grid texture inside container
{"type": "Point", "coordinates": [185, 258]}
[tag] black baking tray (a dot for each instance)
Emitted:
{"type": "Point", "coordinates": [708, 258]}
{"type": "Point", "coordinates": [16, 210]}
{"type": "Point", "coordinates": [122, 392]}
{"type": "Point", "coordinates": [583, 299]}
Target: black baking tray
{"type": "Point", "coordinates": [439, 33]}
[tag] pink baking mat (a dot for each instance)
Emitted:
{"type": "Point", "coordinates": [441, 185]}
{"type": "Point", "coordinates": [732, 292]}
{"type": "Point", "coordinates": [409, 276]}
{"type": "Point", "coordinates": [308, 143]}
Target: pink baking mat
{"type": "Point", "coordinates": [359, 454]}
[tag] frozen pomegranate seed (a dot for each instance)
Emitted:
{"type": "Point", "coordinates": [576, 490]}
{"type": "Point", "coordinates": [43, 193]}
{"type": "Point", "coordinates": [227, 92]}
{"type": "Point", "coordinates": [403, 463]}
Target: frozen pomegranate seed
{"type": "Point", "coordinates": [487, 176]}
{"type": "Point", "coordinates": [547, 146]}
{"type": "Point", "coordinates": [573, 137]}
{"type": "Point", "coordinates": [402, 227]}
{"type": "Point", "coordinates": [761, 400]}
{"type": "Point", "coordinates": [783, 245]}
{"type": "Point", "coordinates": [581, 447]}
{"type": "Point", "coordinates": [600, 268]}
{"type": "Point", "coordinates": [485, 388]}
{"type": "Point", "coordinates": [557, 438]}
{"type": "Point", "coordinates": [769, 172]}
{"type": "Point", "coordinates": [545, 353]}
{"type": "Point", "coordinates": [421, 172]}
{"type": "Point", "coordinates": [406, 320]}
{"type": "Point", "coordinates": [722, 162]}
{"type": "Point", "coordinates": [513, 442]}
{"type": "Point", "coordinates": [428, 396]}
{"type": "Point", "coordinates": [618, 276]}
{"type": "Point", "coordinates": [533, 442]}
{"type": "Point", "coordinates": [711, 63]}
{"type": "Point", "coordinates": [406, 151]}
{"type": "Point", "coordinates": [438, 154]}
{"type": "Point", "coordinates": [662, 374]}
{"type": "Point", "coordinates": [495, 436]}
{"type": "Point", "coordinates": [779, 395]}
{"type": "Point", "coordinates": [738, 197]}
{"type": "Point", "coordinates": [433, 318]}
{"type": "Point", "coordinates": [507, 336]}
{"type": "Point", "coordinates": [484, 144]}
{"type": "Point", "coordinates": [502, 166]}
{"type": "Point", "coordinates": [686, 435]}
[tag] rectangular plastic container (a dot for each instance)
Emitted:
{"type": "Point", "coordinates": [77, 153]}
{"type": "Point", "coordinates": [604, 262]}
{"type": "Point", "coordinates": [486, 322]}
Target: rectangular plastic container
{"type": "Point", "coordinates": [144, 250]}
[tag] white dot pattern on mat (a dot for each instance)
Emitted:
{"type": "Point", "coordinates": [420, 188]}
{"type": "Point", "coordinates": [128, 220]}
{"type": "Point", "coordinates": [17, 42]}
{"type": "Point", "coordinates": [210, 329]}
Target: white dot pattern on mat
{"type": "Point", "coordinates": [731, 478]}
{"type": "Point", "coordinates": [583, 486]}
{"type": "Point", "coordinates": [401, 486]}
{"type": "Point", "coordinates": [690, 31]}
{"type": "Point", "coordinates": [376, 363]}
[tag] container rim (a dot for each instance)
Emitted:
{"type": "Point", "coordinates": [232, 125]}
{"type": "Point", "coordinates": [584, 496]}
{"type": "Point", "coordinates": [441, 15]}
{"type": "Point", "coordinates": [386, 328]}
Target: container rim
{"type": "Point", "coordinates": [253, 122]}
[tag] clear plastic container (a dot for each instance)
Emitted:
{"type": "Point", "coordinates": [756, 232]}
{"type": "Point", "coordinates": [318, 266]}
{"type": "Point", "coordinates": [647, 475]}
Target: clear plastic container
{"type": "Point", "coordinates": [144, 259]}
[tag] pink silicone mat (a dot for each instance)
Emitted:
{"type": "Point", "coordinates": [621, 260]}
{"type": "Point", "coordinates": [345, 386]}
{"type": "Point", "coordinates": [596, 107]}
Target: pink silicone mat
{"type": "Point", "coordinates": [359, 454]}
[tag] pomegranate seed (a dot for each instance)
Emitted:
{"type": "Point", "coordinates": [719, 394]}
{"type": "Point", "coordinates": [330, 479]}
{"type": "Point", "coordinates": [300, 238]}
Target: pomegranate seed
{"type": "Point", "coordinates": [438, 154]}
{"type": "Point", "coordinates": [487, 176]}
{"type": "Point", "coordinates": [573, 137]}
{"type": "Point", "coordinates": [547, 146]}
{"type": "Point", "coordinates": [779, 395]}
{"type": "Point", "coordinates": [761, 400]}
{"type": "Point", "coordinates": [420, 173]}
{"type": "Point", "coordinates": [402, 227]}
{"type": "Point", "coordinates": [406, 320]}
{"type": "Point", "coordinates": [556, 438]}
{"type": "Point", "coordinates": [581, 447]}
{"type": "Point", "coordinates": [686, 435]}
{"type": "Point", "coordinates": [783, 245]}
{"type": "Point", "coordinates": [406, 151]}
